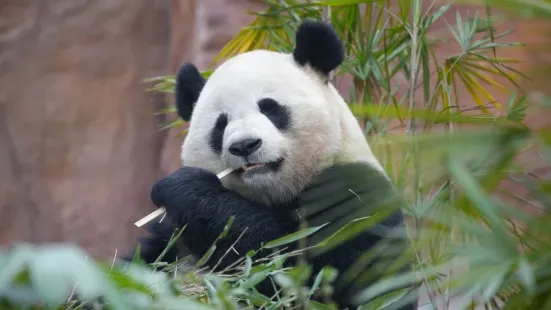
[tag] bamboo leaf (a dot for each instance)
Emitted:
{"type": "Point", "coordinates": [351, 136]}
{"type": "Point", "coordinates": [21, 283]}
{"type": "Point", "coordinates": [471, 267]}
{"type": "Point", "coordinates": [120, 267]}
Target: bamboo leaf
{"type": "Point", "coordinates": [292, 237]}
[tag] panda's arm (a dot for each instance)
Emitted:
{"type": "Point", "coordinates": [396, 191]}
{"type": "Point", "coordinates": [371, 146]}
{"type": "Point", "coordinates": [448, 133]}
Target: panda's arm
{"type": "Point", "coordinates": [196, 199]}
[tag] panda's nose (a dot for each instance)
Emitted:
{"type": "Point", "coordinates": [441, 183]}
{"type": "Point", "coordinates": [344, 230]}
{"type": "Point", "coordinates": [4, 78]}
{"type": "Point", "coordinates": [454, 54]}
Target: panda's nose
{"type": "Point", "coordinates": [245, 147]}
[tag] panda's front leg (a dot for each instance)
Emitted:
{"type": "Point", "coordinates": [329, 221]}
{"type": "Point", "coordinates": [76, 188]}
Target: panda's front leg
{"type": "Point", "coordinates": [196, 198]}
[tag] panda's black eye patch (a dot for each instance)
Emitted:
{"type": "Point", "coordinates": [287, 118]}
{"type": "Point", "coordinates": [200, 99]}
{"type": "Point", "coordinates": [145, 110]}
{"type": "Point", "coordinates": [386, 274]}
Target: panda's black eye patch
{"type": "Point", "coordinates": [217, 133]}
{"type": "Point", "coordinates": [276, 113]}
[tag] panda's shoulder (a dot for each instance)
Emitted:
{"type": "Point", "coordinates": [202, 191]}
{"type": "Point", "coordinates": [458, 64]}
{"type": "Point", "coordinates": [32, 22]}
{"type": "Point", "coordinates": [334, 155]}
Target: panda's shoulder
{"type": "Point", "coordinates": [353, 168]}
{"type": "Point", "coordinates": [358, 187]}
{"type": "Point", "coordinates": [354, 175]}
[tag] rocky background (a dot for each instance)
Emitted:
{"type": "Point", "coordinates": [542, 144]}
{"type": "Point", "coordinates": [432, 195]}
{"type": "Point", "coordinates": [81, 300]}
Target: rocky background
{"type": "Point", "coordinates": [79, 141]}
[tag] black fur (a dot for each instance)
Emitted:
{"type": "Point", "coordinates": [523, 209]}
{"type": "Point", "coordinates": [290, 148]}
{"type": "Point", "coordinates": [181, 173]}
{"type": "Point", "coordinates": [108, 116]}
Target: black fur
{"type": "Point", "coordinates": [189, 83]}
{"type": "Point", "coordinates": [196, 197]}
{"type": "Point", "coordinates": [276, 113]}
{"type": "Point", "coordinates": [216, 136]}
{"type": "Point", "coordinates": [318, 45]}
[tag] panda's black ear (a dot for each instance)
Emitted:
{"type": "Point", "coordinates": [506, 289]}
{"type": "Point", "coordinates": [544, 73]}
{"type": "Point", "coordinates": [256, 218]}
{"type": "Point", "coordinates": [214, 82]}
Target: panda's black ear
{"type": "Point", "coordinates": [318, 45]}
{"type": "Point", "coordinates": [189, 83]}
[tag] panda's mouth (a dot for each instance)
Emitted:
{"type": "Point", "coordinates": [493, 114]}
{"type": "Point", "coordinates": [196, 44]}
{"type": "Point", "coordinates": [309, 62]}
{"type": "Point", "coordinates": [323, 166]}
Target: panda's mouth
{"type": "Point", "coordinates": [261, 167]}
{"type": "Point", "coordinates": [252, 167]}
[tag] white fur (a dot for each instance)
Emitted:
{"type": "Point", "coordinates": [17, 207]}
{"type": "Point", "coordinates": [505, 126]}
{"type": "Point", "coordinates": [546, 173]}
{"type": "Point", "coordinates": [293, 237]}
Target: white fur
{"type": "Point", "coordinates": [323, 130]}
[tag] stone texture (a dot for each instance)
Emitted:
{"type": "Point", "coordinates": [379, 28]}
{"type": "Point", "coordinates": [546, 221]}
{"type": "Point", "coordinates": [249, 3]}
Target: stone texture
{"type": "Point", "coordinates": [182, 42]}
{"type": "Point", "coordinates": [79, 145]}
{"type": "Point", "coordinates": [218, 22]}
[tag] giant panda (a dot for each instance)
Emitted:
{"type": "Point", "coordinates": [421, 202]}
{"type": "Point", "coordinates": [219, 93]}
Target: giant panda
{"type": "Point", "coordinates": [299, 156]}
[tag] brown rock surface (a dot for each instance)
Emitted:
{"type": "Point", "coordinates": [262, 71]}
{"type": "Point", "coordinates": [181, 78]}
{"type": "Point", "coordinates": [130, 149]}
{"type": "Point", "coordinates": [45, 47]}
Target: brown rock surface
{"type": "Point", "coordinates": [79, 146]}
{"type": "Point", "coordinates": [182, 42]}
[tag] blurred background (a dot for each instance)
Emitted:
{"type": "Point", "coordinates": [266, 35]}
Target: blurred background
{"type": "Point", "coordinates": [80, 137]}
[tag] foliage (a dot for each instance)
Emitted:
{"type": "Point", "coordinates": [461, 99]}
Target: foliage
{"type": "Point", "coordinates": [475, 242]}
{"type": "Point", "coordinates": [62, 277]}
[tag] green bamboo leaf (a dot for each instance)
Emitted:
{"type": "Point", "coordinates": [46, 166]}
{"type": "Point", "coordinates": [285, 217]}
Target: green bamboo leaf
{"type": "Point", "coordinates": [171, 243]}
{"type": "Point", "coordinates": [326, 274]}
{"type": "Point", "coordinates": [334, 3]}
{"type": "Point", "coordinates": [383, 302]}
{"type": "Point", "coordinates": [427, 115]}
{"type": "Point", "coordinates": [532, 9]}
{"type": "Point", "coordinates": [394, 283]}
{"type": "Point", "coordinates": [55, 270]}
{"type": "Point", "coordinates": [482, 77]}
{"type": "Point", "coordinates": [292, 237]}
{"type": "Point", "coordinates": [484, 205]}
{"type": "Point", "coordinates": [526, 275]}
{"type": "Point", "coordinates": [124, 279]}
{"type": "Point", "coordinates": [350, 230]}
{"type": "Point", "coordinates": [475, 85]}
{"type": "Point", "coordinates": [319, 306]}
{"type": "Point", "coordinates": [13, 263]}
{"type": "Point", "coordinates": [255, 278]}
{"type": "Point", "coordinates": [516, 109]}
{"type": "Point", "coordinates": [470, 89]}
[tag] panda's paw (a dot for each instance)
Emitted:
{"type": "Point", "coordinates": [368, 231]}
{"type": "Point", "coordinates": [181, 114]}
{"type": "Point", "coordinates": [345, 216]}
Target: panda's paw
{"type": "Point", "coordinates": [185, 189]}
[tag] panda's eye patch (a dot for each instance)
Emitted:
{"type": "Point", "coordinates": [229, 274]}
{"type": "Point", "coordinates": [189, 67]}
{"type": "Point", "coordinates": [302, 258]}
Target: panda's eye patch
{"type": "Point", "coordinates": [276, 113]}
{"type": "Point", "coordinates": [217, 133]}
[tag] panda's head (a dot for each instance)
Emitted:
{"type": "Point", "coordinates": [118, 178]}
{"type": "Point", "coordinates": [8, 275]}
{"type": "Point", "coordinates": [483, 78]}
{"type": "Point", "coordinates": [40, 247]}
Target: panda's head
{"type": "Point", "coordinates": [273, 117]}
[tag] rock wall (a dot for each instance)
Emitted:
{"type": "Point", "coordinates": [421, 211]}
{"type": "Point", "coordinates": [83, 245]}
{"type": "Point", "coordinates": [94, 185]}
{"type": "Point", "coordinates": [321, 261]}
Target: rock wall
{"type": "Point", "coordinates": [79, 148]}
